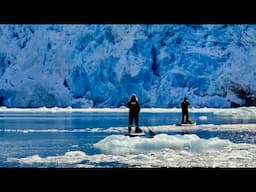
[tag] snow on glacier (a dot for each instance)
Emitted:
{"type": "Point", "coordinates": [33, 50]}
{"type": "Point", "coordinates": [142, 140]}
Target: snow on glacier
{"type": "Point", "coordinates": [101, 65]}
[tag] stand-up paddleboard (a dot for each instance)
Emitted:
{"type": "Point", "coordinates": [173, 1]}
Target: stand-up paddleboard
{"type": "Point", "coordinates": [150, 134]}
{"type": "Point", "coordinates": [192, 123]}
{"type": "Point", "coordinates": [133, 134]}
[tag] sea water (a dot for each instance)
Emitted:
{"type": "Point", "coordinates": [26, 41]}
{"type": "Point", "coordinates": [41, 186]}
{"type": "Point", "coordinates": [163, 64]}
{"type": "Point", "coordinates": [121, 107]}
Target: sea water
{"type": "Point", "coordinates": [96, 139]}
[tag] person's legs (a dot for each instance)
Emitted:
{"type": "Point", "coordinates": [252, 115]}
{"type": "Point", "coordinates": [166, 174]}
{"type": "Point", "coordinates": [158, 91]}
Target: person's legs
{"type": "Point", "coordinates": [137, 129]}
{"type": "Point", "coordinates": [136, 117]}
{"type": "Point", "coordinates": [130, 123]}
{"type": "Point", "coordinates": [186, 116]}
{"type": "Point", "coordinates": [182, 119]}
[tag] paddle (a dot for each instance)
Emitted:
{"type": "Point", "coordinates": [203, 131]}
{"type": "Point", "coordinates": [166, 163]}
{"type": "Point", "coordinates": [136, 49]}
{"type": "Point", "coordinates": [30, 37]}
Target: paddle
{"type": "Point", "coordinates": [151, 133]}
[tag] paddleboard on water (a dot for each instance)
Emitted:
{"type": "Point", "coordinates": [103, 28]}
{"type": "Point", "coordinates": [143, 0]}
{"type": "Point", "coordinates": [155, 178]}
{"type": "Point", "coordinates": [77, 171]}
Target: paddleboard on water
{"type": "Point", "coordinates": [136, 134]}
{"type": "Point", "coordinates": [187, 124]}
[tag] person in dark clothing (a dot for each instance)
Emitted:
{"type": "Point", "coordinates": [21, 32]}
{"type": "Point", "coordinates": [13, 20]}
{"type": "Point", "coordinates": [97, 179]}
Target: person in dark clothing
{"type": "Point", "coordinates": [184, 107]}
{"type": "Point", "coordinates": [134, 109]}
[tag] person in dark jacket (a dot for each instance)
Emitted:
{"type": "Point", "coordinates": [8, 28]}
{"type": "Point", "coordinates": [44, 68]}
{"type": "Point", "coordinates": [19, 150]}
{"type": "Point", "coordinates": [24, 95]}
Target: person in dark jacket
{"type": "Point", "coordinates": [134, 109]}
{"type": "Point", "coordinates": [184, 107]}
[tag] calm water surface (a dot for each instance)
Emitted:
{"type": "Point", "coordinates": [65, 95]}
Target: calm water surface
{"type": "Point", "coordinates": [51, 134]}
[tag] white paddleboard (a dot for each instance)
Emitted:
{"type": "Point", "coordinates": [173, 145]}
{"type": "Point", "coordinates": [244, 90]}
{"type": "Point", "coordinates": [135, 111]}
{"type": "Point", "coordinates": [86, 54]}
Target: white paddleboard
{"type": "Point", "coordinates": [136, 134]}
{"type": "Point", "coordinates": [187, 124]}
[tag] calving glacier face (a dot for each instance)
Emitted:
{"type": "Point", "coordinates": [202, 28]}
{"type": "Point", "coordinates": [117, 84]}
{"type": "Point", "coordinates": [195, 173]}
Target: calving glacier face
{"type": "Point", "coordinates": [99, 65]}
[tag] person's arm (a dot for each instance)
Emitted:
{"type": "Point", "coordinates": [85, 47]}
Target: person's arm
{"type": "Point", "coordinates": [128, 105]}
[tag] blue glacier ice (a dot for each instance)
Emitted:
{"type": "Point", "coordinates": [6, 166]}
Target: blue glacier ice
{"type": "Point", "coordinates": [101, 65]}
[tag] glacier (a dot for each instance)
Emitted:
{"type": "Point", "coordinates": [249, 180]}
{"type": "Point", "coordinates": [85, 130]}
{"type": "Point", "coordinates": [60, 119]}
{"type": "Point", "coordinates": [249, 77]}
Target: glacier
{"type": "Point", "coordinates": [101, 65]}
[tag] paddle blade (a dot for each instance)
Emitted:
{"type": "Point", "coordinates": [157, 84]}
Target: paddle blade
{"type": "Point", "coordinates": [151, 133]}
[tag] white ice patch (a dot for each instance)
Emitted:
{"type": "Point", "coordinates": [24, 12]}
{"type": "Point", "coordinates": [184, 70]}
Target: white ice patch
{"type": "Point", "coordinates": [119, 144]}
{"type": "Point", "coordinates": [242, 111]}
{"type": "Point", "coordinates": [52, 130]}
{"type": "Point", "coordinates": [160, 128]}
{"type": "Point", "coordinates": [203, 118]}
{"type": "Point", "coordinates": [68, 158]}
{"type": "Point", "coordinates": [234, 155]}
{"type": "Point", "coordinates": [174, 128]}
